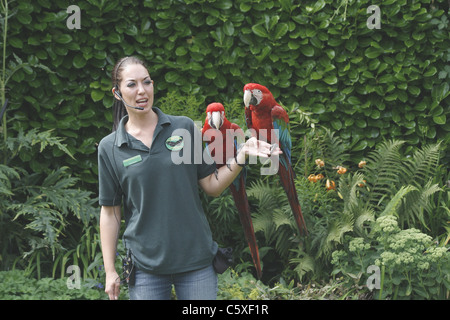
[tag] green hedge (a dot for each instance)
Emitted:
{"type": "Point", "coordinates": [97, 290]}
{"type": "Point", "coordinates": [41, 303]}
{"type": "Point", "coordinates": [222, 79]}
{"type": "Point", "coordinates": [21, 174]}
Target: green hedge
{"type": "Point", "coordinates": [319, 56]}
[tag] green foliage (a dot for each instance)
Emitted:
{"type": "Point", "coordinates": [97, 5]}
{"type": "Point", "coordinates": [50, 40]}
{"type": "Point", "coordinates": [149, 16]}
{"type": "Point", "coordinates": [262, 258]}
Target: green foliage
{"type": "Point", "coordinates": [37, 208]}
{"type": "Point", "coordinates": [390, 183]}
{"type": "Point", "coordinates": [18, 285]}
{"type": "Point", "coordinates": [244, 286]}
{"type": "Point", "coordinates": [412, 266]}
{"type": "Point", "coordinates": [387, 171]}
{"type": "Point", "coordinates": [366, 84]}
{"type": "Point", "coordinates": [353, 93]}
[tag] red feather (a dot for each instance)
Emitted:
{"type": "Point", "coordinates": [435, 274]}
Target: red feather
{"type": "Point", "coordinates": [220, 152]}
{"type": "Point", "coordinates": [262, 112]}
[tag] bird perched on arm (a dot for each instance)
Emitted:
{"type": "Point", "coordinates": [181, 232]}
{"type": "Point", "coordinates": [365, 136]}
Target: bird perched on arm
{"type": "Point", "coordinates": [220, 136]}
{"type": "Point", "coordinates": [263, 114]}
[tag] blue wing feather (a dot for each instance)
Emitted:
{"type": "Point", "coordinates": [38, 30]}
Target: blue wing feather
{"type": "Point", "coordinates": [284, 137]}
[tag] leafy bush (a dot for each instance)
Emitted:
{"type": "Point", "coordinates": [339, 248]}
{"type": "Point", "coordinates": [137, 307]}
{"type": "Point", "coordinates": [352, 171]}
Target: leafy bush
{"type": "Point", "coordinates": [319, 56]}
{"type": "Point", "coordinates": [370, 89]}
{"type": "Point", "coordinates": [388, 182]}
{"type": "Point", "coordinates": [412, 266]}
{"type": "Point", "coordinates": [37, 208]}
{"type": "Point", "coordinates": [19, 285]}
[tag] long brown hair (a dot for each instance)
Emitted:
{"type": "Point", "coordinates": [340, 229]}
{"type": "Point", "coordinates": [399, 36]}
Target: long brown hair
{"type": "Point", "coordinates": [119, 110]}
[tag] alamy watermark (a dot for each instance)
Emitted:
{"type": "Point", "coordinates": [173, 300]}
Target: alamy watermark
{"type": "Point", "coordinates": [74, 20]}
{"type": "Point", "coordinates": [220, 152]}
{"type": "Point", "coordinates": [374, 21]}
{"type": "Point", "coordinates": [74, 281]}
{"type": "Point", "coordinates": [373, 281]}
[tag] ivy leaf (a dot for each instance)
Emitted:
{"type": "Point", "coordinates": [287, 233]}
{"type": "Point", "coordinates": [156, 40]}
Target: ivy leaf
{"type": "Point", "coordinates": [97, 95]}
{"type": "Point", "coordinates": [228, 28]}
{"type": "Point", "coordinates": [63, 38]}
{"type": "Point", "coordinates": [331, 79]}
{"type": "Point", "coordinates": [260, 31]}
{"type": "Point", "coordinates": [372, 52]}
{"type": "Point", "coordinates": [172, 76]}
{"type": "Point", "coordinates": [440, 119]}
{"type": "Point", "coordinates": [361, 145]}
{"type": "Point", "coordinates": [307, 50]}
{"type": "Point", "coordinates": [280, 31]}
{"type": "Point", "coordinates": [79, 61]}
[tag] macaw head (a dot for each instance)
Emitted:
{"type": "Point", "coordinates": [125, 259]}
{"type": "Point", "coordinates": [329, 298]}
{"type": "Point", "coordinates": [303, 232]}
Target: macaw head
{"type": "Point", "coordinates": [215, 115]}
{"type": "Point", "coordinates": [257, 95]}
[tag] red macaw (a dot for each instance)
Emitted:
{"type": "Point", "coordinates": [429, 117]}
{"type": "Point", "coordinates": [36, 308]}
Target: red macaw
{"type": "Point", "coordinates": [217, 125]}
{"type": "Point", "coordinates": [263, 112]}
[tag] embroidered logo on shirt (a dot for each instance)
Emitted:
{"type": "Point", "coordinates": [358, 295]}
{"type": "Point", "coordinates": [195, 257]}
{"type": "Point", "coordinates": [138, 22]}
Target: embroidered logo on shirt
{"type": "Point", "coordinates": [175, 143]}
{"type": "Point", "coordinates": [132, 160]}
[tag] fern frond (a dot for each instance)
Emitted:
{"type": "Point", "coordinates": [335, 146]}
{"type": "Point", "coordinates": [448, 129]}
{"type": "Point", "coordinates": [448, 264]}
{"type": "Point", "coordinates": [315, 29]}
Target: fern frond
{"type": "Point", "coordinates": [282, 217]}
{"type": "Point", "coordinates": [273, 217]}
{"type": "Point", "coordinates": [304, 263]}
{"type": "Point", "coordinates": [361, 217]}
{"type": "Point", "coordinates": [417, 203]}
{"type": "Point", "coordinates": [56, 189]}
{"type": "Point", "coordinates": [269, 197]}
{"type": "Point", "coordinates": [354, 201]}
{"type": "Point", "coordinates": [263, 222]}
{"type": "Point", "coordinates": [422, 165]}
{"type": "Point", "coordinates": [6, 173]}
{"type": "Point", "coordinates": [335, 233]}
{"type": "Point", "coordinates": [382, 171]}
{"type": "Point", "coordinates": [349, 190]}
{"type": "Point", "coordinates": [34, 137]}
{"type": "Point", "coordinates": [42, 219]}
{"type": "Point", "coordinates": [334, 150]}
{"type": "Point", "coordinates": [283, 241]}
{"type": "Point", "coordinates": [391, 207]}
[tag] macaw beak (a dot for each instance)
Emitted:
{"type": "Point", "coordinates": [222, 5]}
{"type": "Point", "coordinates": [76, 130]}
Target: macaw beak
{"type": "Point", "coordinates": [216, 120]}
{"type": "Point", "coordinates": [249, 99]}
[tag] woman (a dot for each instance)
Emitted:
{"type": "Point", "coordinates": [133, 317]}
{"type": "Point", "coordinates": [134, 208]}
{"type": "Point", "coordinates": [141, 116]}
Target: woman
{"type": "Point", "coordinates": [167, 234]}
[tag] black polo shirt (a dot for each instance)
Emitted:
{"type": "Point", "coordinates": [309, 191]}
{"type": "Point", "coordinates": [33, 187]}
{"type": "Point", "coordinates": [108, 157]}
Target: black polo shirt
{"type": "Point", "coordinates": [166, 228]}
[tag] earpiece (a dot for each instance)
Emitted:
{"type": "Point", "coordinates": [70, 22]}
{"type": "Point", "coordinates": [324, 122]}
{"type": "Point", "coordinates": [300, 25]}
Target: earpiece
{"type": "Point", "coordinates": [117, 92]}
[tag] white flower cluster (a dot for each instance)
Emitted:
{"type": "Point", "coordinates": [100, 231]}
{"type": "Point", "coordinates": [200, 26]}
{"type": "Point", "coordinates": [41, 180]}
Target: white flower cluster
{"type": "Point", "coordinates": [358, 245]}
{"type": "Point", "coordinates": [407, 249]}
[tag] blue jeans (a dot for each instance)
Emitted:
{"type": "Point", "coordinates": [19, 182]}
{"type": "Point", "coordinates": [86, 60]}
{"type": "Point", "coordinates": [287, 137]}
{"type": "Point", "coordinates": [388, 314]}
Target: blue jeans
{"type": "Point", "coordinates": [193, 285]}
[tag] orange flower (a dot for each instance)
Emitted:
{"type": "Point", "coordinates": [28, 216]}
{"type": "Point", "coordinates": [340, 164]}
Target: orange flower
{"type": "Point", "coordinates": [319, 176]}
{"type": "Point", "coordinates": [320, 163]}
{"type": "Point", "coordinates": [362, 184]}
{"type": "Point", "coordinates": [312, 178]}
{"type": "Point", "coordinates": [341, 170]}
{"type": "Point", "coordinates": [362, 164]}
{"type": "Point", "coordinates": [330, 185]}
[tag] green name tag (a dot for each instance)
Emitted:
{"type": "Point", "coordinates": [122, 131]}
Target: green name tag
{"type": "Point", "coordinates": [130, 161]}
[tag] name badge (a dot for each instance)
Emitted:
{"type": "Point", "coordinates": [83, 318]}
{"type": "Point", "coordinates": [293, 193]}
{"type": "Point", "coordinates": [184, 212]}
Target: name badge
{"type": "Point", "coordinates": [132, 160]}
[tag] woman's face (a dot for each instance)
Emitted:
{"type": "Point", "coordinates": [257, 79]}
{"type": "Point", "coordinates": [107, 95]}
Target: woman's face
{"type": "Point", "coordinates": [136, 87]}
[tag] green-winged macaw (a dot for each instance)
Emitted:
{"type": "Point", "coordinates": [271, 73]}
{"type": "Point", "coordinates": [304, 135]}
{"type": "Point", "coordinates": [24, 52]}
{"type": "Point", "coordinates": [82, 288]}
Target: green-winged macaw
{"type": "Point", "coordinates": [218, 126]}
{"type": "Point", "coordinates": [263, 114]}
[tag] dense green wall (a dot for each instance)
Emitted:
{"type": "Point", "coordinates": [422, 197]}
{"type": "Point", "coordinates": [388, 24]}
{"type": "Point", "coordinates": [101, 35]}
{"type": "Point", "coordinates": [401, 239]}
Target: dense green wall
{"type": "Point", "coordinates": [367, 84]}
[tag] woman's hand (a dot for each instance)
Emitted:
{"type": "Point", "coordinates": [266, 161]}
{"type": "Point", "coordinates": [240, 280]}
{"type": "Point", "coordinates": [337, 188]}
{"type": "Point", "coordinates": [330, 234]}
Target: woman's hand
{"type": "Point", "coordinates": [112, 285]}
{"type": "Point", "coordinates": [256, 148]}
{"type": "Point", "coordinates": [217, 182]}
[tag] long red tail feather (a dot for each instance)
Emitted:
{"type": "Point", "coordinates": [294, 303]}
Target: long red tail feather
{"type": "Point", "coordinates": [240, 199]}
{"type": "Point", "coordinates": [287, 181]}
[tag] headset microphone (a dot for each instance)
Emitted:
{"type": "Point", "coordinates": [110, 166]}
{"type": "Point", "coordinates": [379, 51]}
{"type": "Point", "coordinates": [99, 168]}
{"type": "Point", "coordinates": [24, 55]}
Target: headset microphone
{"type": "Point", "coordinates": [120, 96]}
